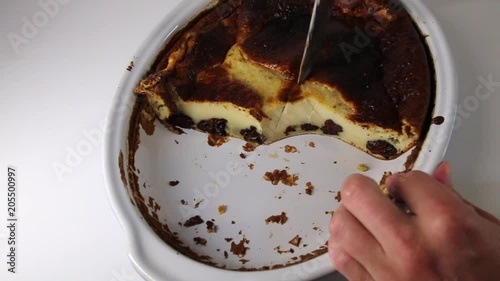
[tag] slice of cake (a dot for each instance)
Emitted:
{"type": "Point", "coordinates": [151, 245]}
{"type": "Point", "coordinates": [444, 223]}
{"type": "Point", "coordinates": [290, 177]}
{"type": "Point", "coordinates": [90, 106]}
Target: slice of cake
{"type": "Point", "coordinates": [232, 72]}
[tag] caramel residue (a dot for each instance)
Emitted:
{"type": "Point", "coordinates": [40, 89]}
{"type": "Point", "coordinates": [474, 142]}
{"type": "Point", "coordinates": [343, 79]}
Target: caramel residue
{"type": "Point", "coordinates": [282, 176]}
{"type": "Point", "coordinates": [147, 119]}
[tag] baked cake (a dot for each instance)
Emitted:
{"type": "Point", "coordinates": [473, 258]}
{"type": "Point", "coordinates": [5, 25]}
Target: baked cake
{"type": "Point", "coordinates": [233, 70]}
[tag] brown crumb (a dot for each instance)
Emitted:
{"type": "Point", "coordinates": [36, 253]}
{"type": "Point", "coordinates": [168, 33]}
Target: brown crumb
{"type": "Point", "coordinates": [200, 241]}
{"type": "Point", "coordinates": [282, 176]}
{"type": "Point", "coordinates": [196, 220]}
{"type": "Point", "coordinates": [281, 219]}
{"type": "Point", "coordinates": [290, 149]}
{"type": "Point", "coordinates": [251, 166]}
{"type": "Point", "coordinates": [217, 141]}
{"type": "Point", "coordinates": [184, 202]}
{"type": "Point", "coordinates": [225, 254]}
{"type": "Point", "coordinates": [233, 222]}
{"type": "Point", "coordinates": [382, 184]}
{"type": "Point", "coordinates": [278, 249]}
{"type": "Point", "coordinates": [363, 168]}
{"type": "Point", "coordinates": [197, 205]}
{"type": "Point", "coordinates": [173, 183]}
{"type": "Point", "coordinates": [329, 212]}
{"type": "Point", "coordinates": [131, 66]}
{"type": "Point", "coordinates": [310, 188]}
{"type": "Point", "coordinates": [211, 227]}
{"type": "Point", "coordinates": [295, 241]}
{"type": "Point", "coordinates": [243, 155]}
{"type": "Point", "coordinates": [176, 141]}
{"type": "Point", "coordinates": [249, 147]}
{"type": "Point", "coordinates": [222, 209]}
{"type": "Point", "coordinates": [239, 249]}
{"type": "Point", "coordinates": [316, 228]}
{"type": "Point", "coordinates": [244, 261]}
{"type": "Point", "coordinates": [312, 144]}
{"type": "Point", "coordinates": [338, 197]}
{"type": "Point", "coordinates": [228, 240]}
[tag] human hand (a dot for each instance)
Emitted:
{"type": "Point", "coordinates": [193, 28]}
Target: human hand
{"type": "Point", "coordinates": [446, 238]}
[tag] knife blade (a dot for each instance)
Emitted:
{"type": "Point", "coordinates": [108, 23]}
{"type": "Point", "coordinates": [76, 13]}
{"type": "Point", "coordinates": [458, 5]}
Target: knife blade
{"type": "Point", "coordinates": [321, 13]}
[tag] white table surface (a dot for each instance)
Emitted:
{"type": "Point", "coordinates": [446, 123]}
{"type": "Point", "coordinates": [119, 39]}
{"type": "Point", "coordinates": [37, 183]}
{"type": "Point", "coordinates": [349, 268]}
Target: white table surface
{"type": "Point", "coordinates": [56, 85]}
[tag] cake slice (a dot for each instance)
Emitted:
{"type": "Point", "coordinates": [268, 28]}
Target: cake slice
{"type": "Point", "coordinates": [233, 74]}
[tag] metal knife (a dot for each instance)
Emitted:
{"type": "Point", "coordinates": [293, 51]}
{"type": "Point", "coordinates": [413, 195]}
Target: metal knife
{"type": "Point", "coordinates": [321, 13]}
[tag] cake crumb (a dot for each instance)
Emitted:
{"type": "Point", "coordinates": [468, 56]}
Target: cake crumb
{"type": "Point", "coordinates": [216, 141]}
{"type": "Point", "coordinates": [282, 176]}
{"type": "Point", "coordinates": [310, 188]}
{"type": "Point", "coordinates": [329, 212]}
{"type": "Point", "coordinates": [225, 255]}
{"type": "Point", "coordinates": [244, 261]}
{"type": "Point", "coordinates": [280, 219]}
{"type": "Point", "coordinates": [228, 240]}
{"type": "Point", "coordinates": [382, 184]}
{"type": "Point", "coordinates": [211, 227]}
{"type": "Point", "coordinates": [274, 155]}
{"type": "Point", "coordinates": [196, 220]}
{"type": "Point", "coordinates": [173, 183]}
{"type": "Point", "coordinates": [363, 168]}
{"type": "Point", "coordinates": [197, 205]}
{"type": "Point", "coordinates": [239, 249]}
{"type": "Point", "coordinates": [295, 241]}
{"type": "Point", "coordinates": [184, 202]}
{"type": "Point", "coordinates": [243, 156]}
{"type": "Point", "coordinates": [338, 197]}
{"type": "Point", "coordinates": [312, 144]}
{"type": "Point", "coordinates": [251, 166]}
{"type": "Point", "coordinates": [200, 241]}
{"type": "Point", "coordinates": [249, 147]}
{"type": "Point", "coordinates": [131, 66]}
{"type": "Point", "coordinates": [290, 149]}
{"type": "Point", "coordinates": [222, 209]}
{"type": "Point", "coordinates": [278, 249]}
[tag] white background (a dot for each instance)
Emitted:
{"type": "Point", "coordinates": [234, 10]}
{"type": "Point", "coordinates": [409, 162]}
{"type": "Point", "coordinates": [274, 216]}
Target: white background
{"type": "Point", "coordinates": [56, 87]}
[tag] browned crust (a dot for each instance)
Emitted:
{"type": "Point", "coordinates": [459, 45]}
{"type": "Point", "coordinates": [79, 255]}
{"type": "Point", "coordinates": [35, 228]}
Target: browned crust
{"type": "Point", "coordinates": [272, 33]}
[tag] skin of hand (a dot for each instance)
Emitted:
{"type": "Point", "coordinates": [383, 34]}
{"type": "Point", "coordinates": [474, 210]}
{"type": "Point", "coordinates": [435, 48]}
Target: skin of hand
{"type": "Point", "coordinates": [445, 239]}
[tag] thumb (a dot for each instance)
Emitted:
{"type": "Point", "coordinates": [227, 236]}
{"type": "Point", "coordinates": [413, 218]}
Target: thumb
{"type": "Point", "coordinates": [443, 174]}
